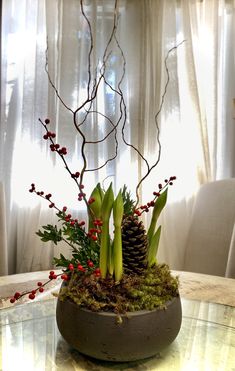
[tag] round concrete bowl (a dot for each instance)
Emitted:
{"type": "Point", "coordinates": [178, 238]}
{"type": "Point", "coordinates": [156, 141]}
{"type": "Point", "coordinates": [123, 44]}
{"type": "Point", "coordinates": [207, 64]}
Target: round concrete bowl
{"type": "Point", "coordinates": [138, 335]}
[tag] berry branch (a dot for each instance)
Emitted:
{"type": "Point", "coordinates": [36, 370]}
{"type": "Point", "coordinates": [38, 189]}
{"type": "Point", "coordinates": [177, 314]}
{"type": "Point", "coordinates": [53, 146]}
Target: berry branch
{"type": "Point", "coordinates": [65, 276]}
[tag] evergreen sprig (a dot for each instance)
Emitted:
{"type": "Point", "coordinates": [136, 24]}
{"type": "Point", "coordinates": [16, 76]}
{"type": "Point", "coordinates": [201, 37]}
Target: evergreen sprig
{"type": "Point", "coordinates": [51, 233]}
{"type": "Point", "coordinates": [81, 245]}
{"type": "Point", "coordinates": [128, 202]}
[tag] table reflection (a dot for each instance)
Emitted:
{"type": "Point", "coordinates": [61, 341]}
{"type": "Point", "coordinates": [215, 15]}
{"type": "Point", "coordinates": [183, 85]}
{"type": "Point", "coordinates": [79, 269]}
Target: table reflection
{"type": "Point", "coordinates": [29, 340]}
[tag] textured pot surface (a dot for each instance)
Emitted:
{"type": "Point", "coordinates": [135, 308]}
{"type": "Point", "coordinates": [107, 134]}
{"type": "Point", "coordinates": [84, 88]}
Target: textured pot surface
{"type": "Point", "coordinates": [98, 334]}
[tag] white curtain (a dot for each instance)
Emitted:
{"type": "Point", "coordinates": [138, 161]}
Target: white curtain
{"type": "Point", "coordinates": [196, 121]}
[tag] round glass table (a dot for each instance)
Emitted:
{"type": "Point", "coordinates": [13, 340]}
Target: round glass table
{"type": "Point", "coordinates": [30, 341]}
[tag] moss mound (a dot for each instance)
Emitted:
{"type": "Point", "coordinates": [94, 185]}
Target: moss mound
{"type": "Point", "coordinates": [134, 292]}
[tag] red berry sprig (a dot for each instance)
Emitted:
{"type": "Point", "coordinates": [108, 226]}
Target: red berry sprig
{"type": "Point", "coordinates": [67, 217]}
{"type": "Point", "coordinates": [56, 147]}
{"type": "Point", "coordinates": [161, 187]}
{"type": "Point", "coordinates": [65, 276]}
{"type": "Point", "coordinates": [40, 288]}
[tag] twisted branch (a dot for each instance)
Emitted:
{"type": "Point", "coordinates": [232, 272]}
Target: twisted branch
{"type": "Point", "coordinates": [150, 168]}
{"type": "Point", "coordinates": [93, 85]}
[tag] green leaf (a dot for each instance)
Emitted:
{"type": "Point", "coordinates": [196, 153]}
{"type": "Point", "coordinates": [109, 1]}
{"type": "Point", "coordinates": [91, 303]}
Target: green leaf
{"type": "Point", "coordinates": [118, 210]}
{"type": "Point", "coordinates": [106, 209]}
{"type": "Point", "coordinates": [153, 248]}
{"type": "Point", "coordinates": [98, 196]}
{"type": "Point", "coordinates": [51, 233]}
{"type": "Point", "coordinates": [128, 203]}
{"type": "Point", "coordinates": [158, 207]}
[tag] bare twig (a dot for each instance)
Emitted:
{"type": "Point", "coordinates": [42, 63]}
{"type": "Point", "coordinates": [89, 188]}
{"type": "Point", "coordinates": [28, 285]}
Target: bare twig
{"type": "Point", "coordinates": [88, 105]}
{"type": "Point", "coordinates": [150, 168]}
{"type": "Point", "coordinates": [53, 85]}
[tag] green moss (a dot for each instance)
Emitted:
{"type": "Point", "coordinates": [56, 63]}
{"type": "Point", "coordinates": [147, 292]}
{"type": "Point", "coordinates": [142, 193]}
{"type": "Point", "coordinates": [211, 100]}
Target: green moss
{"type": "Point", "coordinates": [134, 292]}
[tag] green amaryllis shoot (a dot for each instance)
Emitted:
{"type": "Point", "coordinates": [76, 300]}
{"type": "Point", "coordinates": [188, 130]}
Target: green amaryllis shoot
{"type": "Point", "coordinates": [95, 202]}
{"type": "Point", "coordinates": [110, 259]}
{"type": "Point", "coordinates": [106, 209]}
{"type": "Point", "coordinates": [158, 207]}
{"type": "Point", "coordinates": [118, 210]}
{"type": "Point", "coordinates": [153, 247]}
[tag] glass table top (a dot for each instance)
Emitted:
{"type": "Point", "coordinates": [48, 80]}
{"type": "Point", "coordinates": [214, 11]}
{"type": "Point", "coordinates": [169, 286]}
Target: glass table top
{"type": "Point", "coordinates": [30, 341]}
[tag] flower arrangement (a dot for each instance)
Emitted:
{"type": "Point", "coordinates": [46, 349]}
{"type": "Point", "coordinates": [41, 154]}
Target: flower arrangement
{"type": "Point", "coordinates": [107, 271]}
{"type": "Point", "coordinates": [125, 263]}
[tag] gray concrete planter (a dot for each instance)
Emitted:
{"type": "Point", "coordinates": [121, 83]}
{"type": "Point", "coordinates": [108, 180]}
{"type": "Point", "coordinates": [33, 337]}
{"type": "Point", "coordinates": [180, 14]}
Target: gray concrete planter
{"type": "Point", "coordinates": [140, 335]}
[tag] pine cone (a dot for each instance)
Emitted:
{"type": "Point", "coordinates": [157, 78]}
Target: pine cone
{"type": "Point", "coordinates": [134, 245]}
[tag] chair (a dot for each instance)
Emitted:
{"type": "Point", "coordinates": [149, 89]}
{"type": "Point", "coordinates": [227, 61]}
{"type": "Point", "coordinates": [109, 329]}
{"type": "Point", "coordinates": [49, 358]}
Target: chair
{"type": "Point", "coordinates": [210, 247]}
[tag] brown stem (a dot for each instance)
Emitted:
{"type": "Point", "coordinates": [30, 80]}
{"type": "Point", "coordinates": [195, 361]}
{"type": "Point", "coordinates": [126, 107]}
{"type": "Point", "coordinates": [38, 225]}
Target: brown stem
{"type": "Point", "coordinates": [53, 85]}
{"type": "Point", "coordinates": [150, 168]}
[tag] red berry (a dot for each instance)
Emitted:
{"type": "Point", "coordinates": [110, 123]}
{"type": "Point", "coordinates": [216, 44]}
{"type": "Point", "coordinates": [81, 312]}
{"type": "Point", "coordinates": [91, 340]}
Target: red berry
{"type": "Point", "coordinates": [90, 264]}
{"type": "Point", "coordinates": [64, 208]}
{"type": "Point", "coordinates": [51, 205]}
{"type": "Point", "coordinates": [53, 135]}
{"type": "Point", "coordinates": [160, 186]}
{"type": "Point", "coordinates": [39, 283]}
{"type": "Point", "coordinates": [91, 200]}
{"type": "Point", "coordinates": [12, 300]}
{"type": "Point", "coordinates": [63, 151]}
{"type": "Point", "coordinates": [41, 289]}
{"type": "Point", "coordinates": [33, 292]}
{"type": "Point", "coordinates": [64, 277]}
{"type": "Point", "coordinates": [45, 136]}
{"type": "Point", "coordinates": [80, 267]}
{"type": "Point", "coordinates": [156, 194]}
{"type": "Point", "coordinates": [54, 276]}
{"type": "Point", "coordinates": [94, 238]}
{"type": "Point", "coordinates": [71, 267]}
{"type": "Point", "coordinates": [81, 186]}
{"type": "Point", "coordinates": [31, 296]}
{"type": "Point", "coordinates": [17, 295]}
{"type": "Point", "coordinates": [47, 121]}
{"type": "Point", "coordinates": [51, 273]}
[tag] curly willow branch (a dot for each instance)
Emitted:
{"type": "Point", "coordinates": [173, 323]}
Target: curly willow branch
{"type": "Point", "coordinates": [150, 168]}
{"type": "Point", "coordinates": [93, 84]}
{"type": "Point", "coordinates": [92, 91]}
{"type": "Point", "coordinates": [92, 97]}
